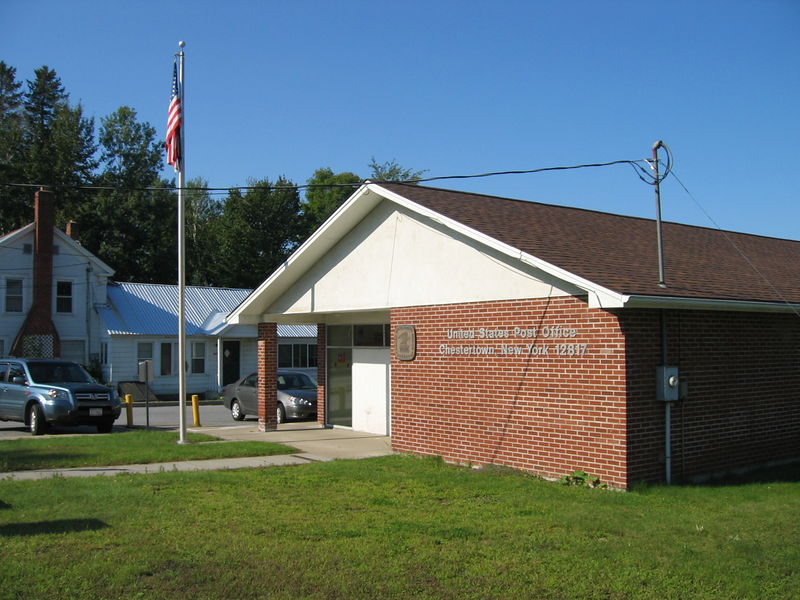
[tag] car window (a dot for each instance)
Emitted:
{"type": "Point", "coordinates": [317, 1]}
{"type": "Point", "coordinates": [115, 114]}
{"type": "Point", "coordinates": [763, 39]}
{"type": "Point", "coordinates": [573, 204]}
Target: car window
{"type": "Point", "coordinates": [251, 381]}
{"type": "Point", "coordinates": [15, 370]}
{"type": "Point", "coordinates": [295, 381]}
{"type": "Point", "coordinates": [58, 372]}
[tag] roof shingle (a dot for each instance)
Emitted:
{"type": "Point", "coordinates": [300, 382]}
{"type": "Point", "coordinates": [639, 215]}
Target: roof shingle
{"type": "Point", "coordinates": [620, 253]}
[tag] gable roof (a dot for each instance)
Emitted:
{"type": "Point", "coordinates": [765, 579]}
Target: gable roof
{"type": "Point", "coordinates": [71, 246]}
{"type": "Point", "coordinates": [613, 258]}
{"type": "Point", "coordinates": [620, 253]}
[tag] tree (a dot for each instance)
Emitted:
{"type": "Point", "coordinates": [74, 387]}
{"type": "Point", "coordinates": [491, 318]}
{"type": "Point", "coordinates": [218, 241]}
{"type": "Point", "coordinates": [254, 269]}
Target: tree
{"type": "Point", "coordinates": [133, 229]}
{"type": "Point", "coordinates": [391, 171]}
{"type": "Point", "coordinates": [130, 154]}
{"type": "Point", "coordinates": [58, 142]}
{"type": "Point", "coordinates": [259, 230]}
{"type": "Point", "coordinates": [15, 201]}
{"type": "Point", "coordinates": [327, 191]}
{"type": "Point", "coordinates": [203, 215]}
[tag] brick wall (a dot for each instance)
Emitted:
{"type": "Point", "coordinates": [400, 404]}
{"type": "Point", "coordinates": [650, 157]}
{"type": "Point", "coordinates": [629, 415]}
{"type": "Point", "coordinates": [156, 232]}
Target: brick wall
{"type": "Point", "coordinates": [558, 406]}
{"type": "Point", "coordinates": [322, 371]}
{"type": "Point", "coordinates": [743, 405]}
{"type": "Point", "coordinates": [267, 376]}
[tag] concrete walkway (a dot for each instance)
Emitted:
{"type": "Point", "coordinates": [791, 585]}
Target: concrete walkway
{"type": "Point", "coordinates": [313, 444]}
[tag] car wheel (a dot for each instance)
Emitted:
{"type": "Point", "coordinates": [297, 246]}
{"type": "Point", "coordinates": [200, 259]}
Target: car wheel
{"type": "Point", "coordinates": [36, 423]}
{"type": "Point", "coordinates": [236, 411]}
{"type": "Point", "coordinates": [280, 414]}
{"type": "Point", "coordinates": [105, 426]}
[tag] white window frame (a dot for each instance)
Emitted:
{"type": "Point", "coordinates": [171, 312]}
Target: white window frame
{"type": "Point", "coordinates": [21, 296]}
{"type": "Point", "coordinates": [71, 297]}
{"type": "Point", "coordinates": [198, 356]}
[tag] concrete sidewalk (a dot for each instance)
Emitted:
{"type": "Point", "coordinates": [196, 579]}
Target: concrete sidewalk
{"type": "Point", "coordinates": [314, 444]}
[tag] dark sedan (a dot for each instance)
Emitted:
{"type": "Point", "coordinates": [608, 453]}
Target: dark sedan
{"type": "Point", "coordinates": [297, 397]}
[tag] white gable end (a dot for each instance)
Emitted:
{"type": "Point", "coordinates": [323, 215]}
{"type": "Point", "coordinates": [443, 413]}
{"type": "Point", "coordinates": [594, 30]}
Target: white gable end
{"type": "Point", "coordinates": [395, 257]}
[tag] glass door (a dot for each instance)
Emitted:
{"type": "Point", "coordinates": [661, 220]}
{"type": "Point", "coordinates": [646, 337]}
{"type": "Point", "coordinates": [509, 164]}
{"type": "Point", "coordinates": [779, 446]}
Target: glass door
{"type": "Point", "coordinates": [340, 387]}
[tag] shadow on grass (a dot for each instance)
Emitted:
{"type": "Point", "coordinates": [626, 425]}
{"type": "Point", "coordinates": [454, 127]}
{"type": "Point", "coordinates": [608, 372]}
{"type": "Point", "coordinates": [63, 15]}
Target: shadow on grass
{"type": "Point", "coordinates": [24, 459]}
{"type": "Point", "coordinates": [59, 526]}
{"type": "Point", "coordinates": [788, 473]}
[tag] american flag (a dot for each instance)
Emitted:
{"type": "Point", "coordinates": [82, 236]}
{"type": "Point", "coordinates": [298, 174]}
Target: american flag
{"type": "Point", "coordinates": [174, 121]}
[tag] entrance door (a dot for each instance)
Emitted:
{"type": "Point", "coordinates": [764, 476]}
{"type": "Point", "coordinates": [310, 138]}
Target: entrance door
{"type": "Point", "coordinates": [230, 361]}
{"type": "Point", "coordinates": [371, 390]}
{"type": "Point", "coordinates": [340, 387]}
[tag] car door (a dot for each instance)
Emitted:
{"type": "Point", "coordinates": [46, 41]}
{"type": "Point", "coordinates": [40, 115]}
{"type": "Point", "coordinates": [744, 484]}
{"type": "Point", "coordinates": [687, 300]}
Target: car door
{"type": "Point", "coordinates": [248, 394]}
{"type": "Point", "coordinates": [15, 394]}
{"type": "Point", "coordinates": [3, 386]}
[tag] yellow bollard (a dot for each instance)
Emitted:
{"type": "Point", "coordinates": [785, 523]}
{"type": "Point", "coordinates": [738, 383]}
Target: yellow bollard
{"type": "Point", "coordinates": [196, 410]}
{"type": "Point", "coordinates": [129, 409]}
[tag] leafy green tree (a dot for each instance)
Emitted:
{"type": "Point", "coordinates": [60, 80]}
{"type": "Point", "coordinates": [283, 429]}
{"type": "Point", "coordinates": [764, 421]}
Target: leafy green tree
{"type": "Point", "coordinates": [202, 226]}
{"type": "Point", "coordinates": [131, 228]}
{"type": "Point", "coordinates": [135, 233]}
{"type": "Point", "coordinates": [391, 171]}
{"type": "Point", "coordinates": [130, 154]}
{"type": "Point", "coordinates": [259, 229]}
{"type": "Point", "coordinates": [327, 191]}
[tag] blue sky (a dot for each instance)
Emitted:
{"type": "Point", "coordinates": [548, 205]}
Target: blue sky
{"type": "Point", "coordinates": [456, 87]}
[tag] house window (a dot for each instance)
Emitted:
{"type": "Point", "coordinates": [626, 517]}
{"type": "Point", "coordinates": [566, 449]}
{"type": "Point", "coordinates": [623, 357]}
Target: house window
{"type": "Point", "coordinates": [14, 295]}
{"type": "Point", "coordinates": [103, 353]}
{"type": "Point", "coordinates": [297, 356]}
{"type": "Point", "coordinates": [64, 296]}
{"type": "Point", "coordinates": [198, 357]}
{"type": "Point", "coordinates": [144, 351]}
{"type": "Point", "coordinates": [166, 358]}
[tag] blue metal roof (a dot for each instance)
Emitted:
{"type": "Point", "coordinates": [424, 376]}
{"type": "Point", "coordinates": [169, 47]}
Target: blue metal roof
{"type": "Point", "coordinates": [152, 309]}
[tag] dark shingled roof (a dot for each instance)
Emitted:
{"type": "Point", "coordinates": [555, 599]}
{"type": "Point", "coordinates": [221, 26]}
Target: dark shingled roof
{"type": "Point", "coordinates": [620, 253]}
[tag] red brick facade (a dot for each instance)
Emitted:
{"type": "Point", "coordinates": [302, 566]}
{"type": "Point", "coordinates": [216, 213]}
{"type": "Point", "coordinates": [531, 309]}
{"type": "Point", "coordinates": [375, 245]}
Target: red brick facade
{"type": "Point", "coordinates": [267, 376]}
{"type": "Point", "coordinates": [581, 393]}
{"type": "Point", "coordinates": [743, 404]}
{"type": "Point", "coordinates": [557, 406]}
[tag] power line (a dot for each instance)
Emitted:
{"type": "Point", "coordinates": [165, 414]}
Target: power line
{"type": "Point", "coordinates": [741, 253]}
{"type": "Point", "coordinates": [637, 165]}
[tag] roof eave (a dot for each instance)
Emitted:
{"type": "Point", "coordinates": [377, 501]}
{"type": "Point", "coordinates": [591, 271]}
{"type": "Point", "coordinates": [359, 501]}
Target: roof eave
{"type": "Point", "coordinates": [684, 303]}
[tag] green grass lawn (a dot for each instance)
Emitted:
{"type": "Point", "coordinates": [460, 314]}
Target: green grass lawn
{"type": "Point", "coordinates": [123, 448]}
{"type": "Point", "coordinates": [392, 527]}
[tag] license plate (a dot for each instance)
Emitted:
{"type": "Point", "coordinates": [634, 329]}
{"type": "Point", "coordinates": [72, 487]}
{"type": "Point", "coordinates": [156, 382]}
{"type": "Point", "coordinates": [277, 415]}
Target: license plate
{"type": "Point", "coordinates": [95, 412]}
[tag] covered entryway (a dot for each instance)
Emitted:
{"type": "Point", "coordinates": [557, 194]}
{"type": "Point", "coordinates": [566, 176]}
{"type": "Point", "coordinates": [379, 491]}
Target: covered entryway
{"type": "Point", "coordinates": [358, 365]}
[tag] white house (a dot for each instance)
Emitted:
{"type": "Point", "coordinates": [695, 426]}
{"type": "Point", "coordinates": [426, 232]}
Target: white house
{"type": "Point", "coordinates": [58, 300]}
{"type": "Point", "coordinates": [72, 282]}
{"type": "Point", "coordinates": [140, 321]}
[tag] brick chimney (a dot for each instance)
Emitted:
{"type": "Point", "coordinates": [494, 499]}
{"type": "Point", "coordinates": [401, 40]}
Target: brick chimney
{"type": "Point", "coordinates": [38, 336]}
{"type": "Point", "coordinates": [72, 230]}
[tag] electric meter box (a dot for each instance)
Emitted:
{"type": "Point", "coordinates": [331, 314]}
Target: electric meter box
{"type": "Point", "coordinates": [667, 384]}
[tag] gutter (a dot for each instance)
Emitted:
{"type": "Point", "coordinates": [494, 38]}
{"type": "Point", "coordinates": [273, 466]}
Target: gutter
{"type": "Point", "coordinates": [683, 303]}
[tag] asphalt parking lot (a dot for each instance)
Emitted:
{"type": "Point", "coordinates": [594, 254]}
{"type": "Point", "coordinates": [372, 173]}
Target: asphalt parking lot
{"type": "Point", "coordinates": [214, 415]}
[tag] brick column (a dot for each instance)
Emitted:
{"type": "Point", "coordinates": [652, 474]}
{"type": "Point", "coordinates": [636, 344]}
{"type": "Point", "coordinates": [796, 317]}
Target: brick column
{"type": "Point", "coordinates": [267, 376]}
{"type": "Point", "coordinates": [322, 371]}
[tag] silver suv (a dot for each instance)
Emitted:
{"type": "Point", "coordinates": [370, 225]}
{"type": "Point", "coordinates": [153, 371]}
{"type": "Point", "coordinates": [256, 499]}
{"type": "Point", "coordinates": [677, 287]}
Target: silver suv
{"type": "Point", "coordinates": [41, 392]}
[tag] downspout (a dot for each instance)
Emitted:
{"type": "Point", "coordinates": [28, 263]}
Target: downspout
{"type": "Point", "coordinates": [88, 315]}
{"type": "Point", "coordinates": [667, 406]}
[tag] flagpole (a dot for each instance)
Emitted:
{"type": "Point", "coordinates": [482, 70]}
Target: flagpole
{"type": "Point", "coordinates": [181, 259]}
